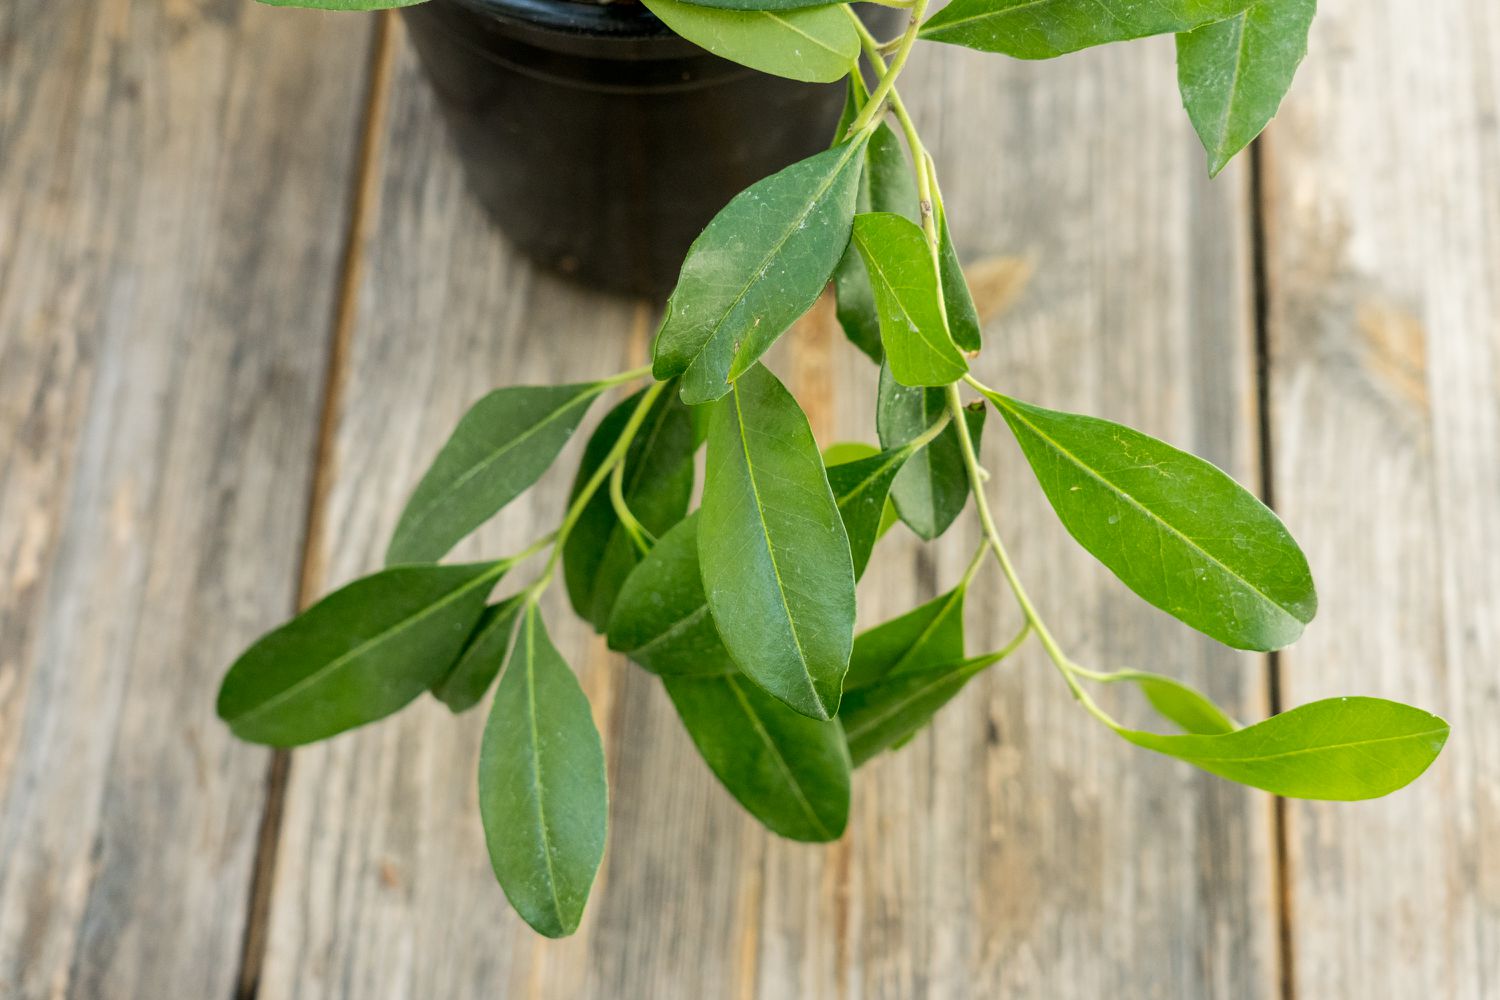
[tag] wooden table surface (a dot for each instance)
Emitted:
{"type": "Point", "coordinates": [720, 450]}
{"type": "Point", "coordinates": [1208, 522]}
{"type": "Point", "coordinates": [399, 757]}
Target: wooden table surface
{"type": "Point", "coordinates": [244, 294]}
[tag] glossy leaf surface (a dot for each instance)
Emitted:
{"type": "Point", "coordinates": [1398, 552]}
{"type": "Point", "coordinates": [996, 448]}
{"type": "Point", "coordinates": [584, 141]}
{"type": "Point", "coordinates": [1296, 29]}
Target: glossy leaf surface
{"type": "Point", "coordinates": [661, 619]}
{"type": "Point", "coordinates": [1234, 73]}
{"type": "Point", "coordinates": [908, 300]}
{"type": "Point", "coordinates": [542, 792]}
{"type": "Point", "coordinates": [1341, 749]}
{"type": "Point", "coordinates": [1175, 529]}
{"type": "Point", "coordinates": [812, 44]}
{"type": "Point", "coordinates": [500, 447]}
{"type": "Point", "coordinates": [357, 655]}
{"type": "Point", "coordinates": [342, 4]}
{"type": "Point", "coordinates": [862, 490]}
{"type": "Point", "coordinates": [963, 315]}
{"type": "Point", "coordinates": [483, 654]}
{"type": "Point", "coordinates": [1190, 710]}
{"type": "Point", "coordinates": [789, 771]}
{"type": "Point", "coordinates": [1041, 29]}
{"type": "Point", "coordinates": [934, 487]}
{"type": "Point", "coordinates": [775, 556]}
{"type": "Point", "coordinates": [761, 4]}
{"type": "Point", "coordinates": [759, 265]}
{"type": "Point", "coordinates": [926, 636]}
{"type": "Point", "coordinates": [885, 185]}
{"type": "Point", "coordinates": [885, 715]}
{"type": "Point", "coordinates": [658, 483]}
{"type": "Point", "coordinates": [844, 452]}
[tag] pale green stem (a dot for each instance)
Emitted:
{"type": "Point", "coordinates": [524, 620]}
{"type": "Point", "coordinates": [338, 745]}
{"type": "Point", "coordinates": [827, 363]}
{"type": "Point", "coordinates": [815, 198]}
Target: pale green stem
{"type": "Point", "coordinates": [922, 163]}
{"type": "Point", "coordinates": [530, 550]}
{"type": "Point", "coordinates": [926, 438]}
{"type": "Point", "coordinates": [606, 468]}
{"type": "Point", "coordinates": [888, 74]}
{"type": "Point", "coordinates": [992, 534]}
{"type": "Point", "coordinates": [639, 536]}
{"type": "Point", "coordinates": [630, 376]}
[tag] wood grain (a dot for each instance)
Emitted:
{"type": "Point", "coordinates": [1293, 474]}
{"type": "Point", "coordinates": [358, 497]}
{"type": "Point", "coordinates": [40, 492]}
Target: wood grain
{"type": "Point", "coordinates": [1383, 252]}
{"type": "Point", "coordinates": [163, 320]}
{"type": "Point", "coordinates": [1016, 850]}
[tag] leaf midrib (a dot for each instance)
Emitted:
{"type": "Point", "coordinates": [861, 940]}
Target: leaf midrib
{"type": "Point", "coordinates": [765, 533]}
{"type": "Point", "coordinates": [420, 518]}
{"type": "Point", "coordinates": [988, 14]}
{"type": "Point", "coordinates": [1006, 403]}
{"type": "Point", "coordinates": [788, 25]}
{"type": "Point", "coordinates": [781, 762]}
{"type": "Point", "coordinates": [1241, 44]}
{"type": "Point", "coordinates": [342, 659]}
{"type": "Point", "coordinates": [855, 732]}
{"type": "Point", "coordinates": [677, 627]}
{"type": "Point", "coordinates": [898, 456]}
{"type": "Point", "coordinates": [1302, 752]}
{"type": "Point", "coordinates": [935, 348]}
{"type": "Point", "coordinates": [776, 248]}
{"type": "Point", "coordinates": [535, 755]}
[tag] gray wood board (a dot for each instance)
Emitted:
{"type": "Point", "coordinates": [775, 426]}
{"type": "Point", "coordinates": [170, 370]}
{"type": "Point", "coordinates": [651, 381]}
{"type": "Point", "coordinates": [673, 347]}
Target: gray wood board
{"type": "Point", "coordinates": [172, 213]}
{"type": "Point", "coordinates": [1016, 850]}
{"type": "Point", "coordinates": [1382, 203]}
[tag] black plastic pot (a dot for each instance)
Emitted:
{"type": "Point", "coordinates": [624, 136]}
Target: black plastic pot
{"type": "Point", "coordinates": [601, 142]}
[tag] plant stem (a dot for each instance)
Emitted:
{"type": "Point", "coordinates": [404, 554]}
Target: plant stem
{"type": "Point", "coordinates": [888, 74]}
{"type": "Point", "coordinates": [530, 550]}
{"type": "Point", "coordinates": [923, 166]}
{"type": "Point", "coordinates": [622, 377]}
{"type": "Point", "coordinates": [926, 438]}
{"type": "Point", "coordinates": [642, 539]}
{"type": "Point", "coordinates": [1054, 652]}
{"type": "Point", "coordinates": [606, 468]}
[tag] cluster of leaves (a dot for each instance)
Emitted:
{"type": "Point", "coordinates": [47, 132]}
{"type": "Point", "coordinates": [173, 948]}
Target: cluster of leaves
{"type": "Point", "coordinates": [745, 607]}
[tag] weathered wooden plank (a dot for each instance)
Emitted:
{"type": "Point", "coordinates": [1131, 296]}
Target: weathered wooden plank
{"type": "Point", "coordinates": [1018, 850]}
{"type": "Point", "coordinates": [1383, 242]}
{"type": "Point", "coordinates": [171, 215]}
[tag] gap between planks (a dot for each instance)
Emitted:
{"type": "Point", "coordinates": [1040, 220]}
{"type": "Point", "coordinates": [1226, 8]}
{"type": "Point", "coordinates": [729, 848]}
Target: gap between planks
{"type": "Point", "coordinates": [1286, 953]}
{"type": "Point", "coordinates": [363, 194]}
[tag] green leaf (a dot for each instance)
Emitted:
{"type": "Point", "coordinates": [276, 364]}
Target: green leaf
{"type": "Point", "coordinates": [761, 4]}
{"type": "Point", "coordinates": [1342, 749]}
{"type": "Point", "coordinates": [775, 556]}
{"type": "Point", "coordinates": [789, 771]}
{"type": "Point", "coordinates": [862, 490]}
{"type": "Point", "coordinates": [542, 790]}
{"type": "Point", "coordinates": [759, 265]}
{"type": "Point", "coordinates": [1041, 29]}
{"type": "Point", "coordinates": [934, 487]}
{"type": "Point", "coordinates": [500, 447]}
{"type": "Point", "coordinates": [930, 635]}
{"type": "Point", "coordinates": [1191, 710]}
{"type": "Point", "coordinates": [963, 316]}
{"type": "Point", "coordinates": [464, 686]}
{"type": "Point", "coordinates": [844, 452]}
{"type": "Point", "coordinates": [661, 618]}
{"type": "Point", "coordinates": [908, 298]}
{"type": "Point", "coordinates": [815, 45]}
{"type": "Point", "coordinates": [658, 483]}
{"type": "Point", "coordinates": [885, 185]}
{"type": "Point", "coordinates": [1234, 73]}
{"type": "Point", "coordinates": [1173, 528]}
{"type": "Point", "coordinates": [856, 93]}
{"type": "Point", "coordinates": [357, 655]}
{"type": "Point", "coordinates": [887, 714]}
{"type": "Point", "coordinates": [342, 4]}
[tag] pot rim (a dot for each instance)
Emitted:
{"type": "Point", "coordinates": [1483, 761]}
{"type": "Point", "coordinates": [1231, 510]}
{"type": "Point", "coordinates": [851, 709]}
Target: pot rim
{"type": "Point", "coordinates": [622, 20]}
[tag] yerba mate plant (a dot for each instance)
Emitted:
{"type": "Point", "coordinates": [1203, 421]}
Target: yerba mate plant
{"type": "Point", "coordinates": [745, 607]}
